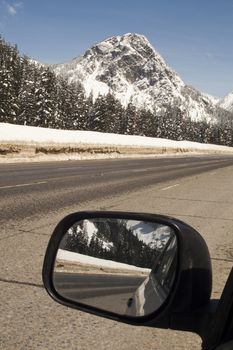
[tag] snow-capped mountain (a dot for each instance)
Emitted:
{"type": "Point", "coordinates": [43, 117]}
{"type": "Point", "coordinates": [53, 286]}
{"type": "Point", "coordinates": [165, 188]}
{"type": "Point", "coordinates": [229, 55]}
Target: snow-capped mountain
{"type": "Point", "coordinates": [134, 71]}
{"type": "Point", "coordinates": [227, 102]}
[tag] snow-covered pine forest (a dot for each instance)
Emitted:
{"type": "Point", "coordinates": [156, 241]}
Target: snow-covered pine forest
{"type": "Point", "coordinates": [31, 94]}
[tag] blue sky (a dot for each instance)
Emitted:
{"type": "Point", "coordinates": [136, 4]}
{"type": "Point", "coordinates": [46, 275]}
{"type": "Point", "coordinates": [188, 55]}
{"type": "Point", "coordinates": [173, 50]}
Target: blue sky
{"type": "Point", "coordinates": [195, 37]}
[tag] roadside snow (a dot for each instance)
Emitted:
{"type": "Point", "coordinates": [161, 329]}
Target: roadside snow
{"type": "Point", "coordinates": [10, 133]}
{"type": "Point", "coordinates": [66, 255]}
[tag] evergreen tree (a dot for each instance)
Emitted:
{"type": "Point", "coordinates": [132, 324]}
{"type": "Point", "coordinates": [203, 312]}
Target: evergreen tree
{"type": "Point", "coordinates": [100, 117]}
{"type": "Point", "coordinates": [78, 116]}
{"type": "Point", "coordinates": [46, 99]}
{"type": "Point", "coordinates": [27, 102]}
{"type": "Point", "coordinates": [114, 111]}
{"type": "Point", "coordinates": [9, 82]}
{"type": "Point", "coordinates": [131, 120]}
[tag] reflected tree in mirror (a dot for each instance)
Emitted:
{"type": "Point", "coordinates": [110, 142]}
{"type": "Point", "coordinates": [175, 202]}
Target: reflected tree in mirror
{"type": "Point", "coordinates": [122, 266]}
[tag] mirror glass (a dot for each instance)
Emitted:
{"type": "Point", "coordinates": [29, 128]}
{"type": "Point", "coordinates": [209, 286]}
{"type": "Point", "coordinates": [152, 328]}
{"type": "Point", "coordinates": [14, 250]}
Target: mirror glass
{"type": "Point", "coordinates": [123, 266]}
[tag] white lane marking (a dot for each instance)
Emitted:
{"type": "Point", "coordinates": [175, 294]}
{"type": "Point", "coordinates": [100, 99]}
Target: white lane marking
{"type": "Point", "coordinates": [24, 185]}
{"type": "Point", "coordinates": [167, 188]}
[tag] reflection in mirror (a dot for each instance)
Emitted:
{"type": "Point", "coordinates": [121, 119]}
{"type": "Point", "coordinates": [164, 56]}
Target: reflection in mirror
{"type": "Point", "coordinates": [117, 265]}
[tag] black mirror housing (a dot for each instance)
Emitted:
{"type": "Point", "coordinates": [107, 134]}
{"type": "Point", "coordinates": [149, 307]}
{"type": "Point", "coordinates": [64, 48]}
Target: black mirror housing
{"type": "Point", "coordinates": [190, 295]}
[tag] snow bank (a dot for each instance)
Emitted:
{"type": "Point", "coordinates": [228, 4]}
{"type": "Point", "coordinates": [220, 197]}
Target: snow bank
{"type": "Point", "coordinates": [68, 256]}
{"type": "Point", "coordinates": [19, 143]}
{"type": "Point", "coordinates": [29, 134]}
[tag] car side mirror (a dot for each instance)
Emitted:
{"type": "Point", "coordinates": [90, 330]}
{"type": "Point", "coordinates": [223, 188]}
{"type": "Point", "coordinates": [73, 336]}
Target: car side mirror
{"type": "Point", "coordinates": [141, 269]}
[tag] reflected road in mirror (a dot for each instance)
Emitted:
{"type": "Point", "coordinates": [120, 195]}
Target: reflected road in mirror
{"type": "Point", "coordinates": [116, 289]}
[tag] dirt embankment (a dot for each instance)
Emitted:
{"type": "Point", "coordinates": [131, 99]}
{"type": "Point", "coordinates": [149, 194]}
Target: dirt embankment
{"type": "Point", "coordinates": [76, 267]}
{"type": "Point", "coordinates": [15, 152]}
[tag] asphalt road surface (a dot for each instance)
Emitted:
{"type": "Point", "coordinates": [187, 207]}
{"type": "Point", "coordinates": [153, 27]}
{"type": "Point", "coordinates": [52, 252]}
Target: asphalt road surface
{"type": "Point", "coordinates": [106, 291]}
{"type": "Point", "coordinates": [36, 189]}
{"type": "Point", "coordinates": [34, 197]}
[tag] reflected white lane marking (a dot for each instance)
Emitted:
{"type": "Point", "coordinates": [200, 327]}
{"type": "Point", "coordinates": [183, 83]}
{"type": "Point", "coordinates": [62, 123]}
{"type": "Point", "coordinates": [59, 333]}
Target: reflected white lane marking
{"type": "Point", "coordinates": [167, 188]}
{"type": "Point", "coordinates": [24, 185]}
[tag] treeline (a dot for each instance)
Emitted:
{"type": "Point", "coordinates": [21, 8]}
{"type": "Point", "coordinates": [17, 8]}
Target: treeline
{"type": "Point", "coordinates": [31, 94]}
{"type": "Point", "coordinates": [113, 240]}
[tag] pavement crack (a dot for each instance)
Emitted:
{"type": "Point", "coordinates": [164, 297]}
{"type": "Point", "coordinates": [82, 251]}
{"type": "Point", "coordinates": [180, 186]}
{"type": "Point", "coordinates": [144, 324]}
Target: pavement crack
{"type": "Point", "coordinates": [22, 283]}
{"type": "Point", "coordinates": [222, 259]}
{"type": "Point", "coordinates": [23, 232]}
{"type": "Point", "coordinates": [13, 235]}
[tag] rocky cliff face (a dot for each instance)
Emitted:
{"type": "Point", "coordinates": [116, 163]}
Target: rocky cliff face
{"type": "Point", "coordinates": [134, 71]}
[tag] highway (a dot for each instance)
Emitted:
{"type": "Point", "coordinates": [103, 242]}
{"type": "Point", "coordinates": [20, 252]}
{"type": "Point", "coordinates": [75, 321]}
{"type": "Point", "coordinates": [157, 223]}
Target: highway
{"type": "Point", "coordinates": [35, 196]}
{"type": "Point", "coordinates": [27, 190]}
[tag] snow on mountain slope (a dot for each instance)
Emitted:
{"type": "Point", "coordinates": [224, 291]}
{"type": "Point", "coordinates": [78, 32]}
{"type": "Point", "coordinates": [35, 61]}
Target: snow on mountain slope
{"type": "Point", "coordinates": [153, 235]}
{"type": "Point", "coordinates": [227, 102]}
{"type": "Point", "coordinates": [212, 99]}
{"type": "Point", "coordinates": [134, 71]}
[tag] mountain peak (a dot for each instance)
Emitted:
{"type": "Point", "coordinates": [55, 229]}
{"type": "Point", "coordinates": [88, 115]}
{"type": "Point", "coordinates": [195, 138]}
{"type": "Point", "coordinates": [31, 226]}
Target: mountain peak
{"type": "Point", "coordinates": [132, 38]}
{"type": "Point", "coordinates": [128, 37]}
{"type": "Point", "coordinates": [128, 66]}
{"type": "Point", "coordinates": [129, 43]}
